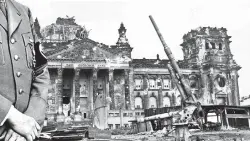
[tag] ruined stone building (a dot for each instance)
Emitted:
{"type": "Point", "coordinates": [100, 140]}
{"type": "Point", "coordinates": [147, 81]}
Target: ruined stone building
{"type": "Point", "coordinates": [82, 69]}
{"type": "Point", "coordinates": [207, 51]}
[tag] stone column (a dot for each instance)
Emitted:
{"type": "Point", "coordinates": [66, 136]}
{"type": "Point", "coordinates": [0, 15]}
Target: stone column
{"type": "Point", "coordinates": [211, 85]}
{"type": "Point", "coordinates": [235, 88]}
{"type": "Point", "coordinates": [72, 99]}
{"type": "Point", "coordinates": [59, 94]}
{"type": "Point", "coordinates": [131, 89]}
{"type": "Point", "coordinates": [145, 88]}
{"type": "Point", "coordinates": [95, 85]}
{"type": "Point", "coordinates": [173, 103]}
{"type": "Point", "coordinates": [77, 90]}
{"type": "Point", "coordinates": [160, 96]}
{"type": "Point", "coordinates": [127, 92]}
{"type": "Point", "coordinates": [111, 88]}
{"type": "Point", "coordinates": [77, 95]}
{"type": "Point", "coordinates": [107, 89]}
{"type": "Point", "coordinates": [105, 100]}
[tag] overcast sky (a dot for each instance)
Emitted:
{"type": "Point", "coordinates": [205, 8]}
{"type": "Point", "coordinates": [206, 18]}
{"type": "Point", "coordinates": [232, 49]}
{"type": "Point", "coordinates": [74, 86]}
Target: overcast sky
{"type": "Point", "coordinates": [173, 17]}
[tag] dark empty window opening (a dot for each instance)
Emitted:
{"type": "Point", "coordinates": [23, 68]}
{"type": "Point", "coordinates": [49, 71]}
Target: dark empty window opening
{"type": "Point", "coordinates": [66, 100]}
{"type": "Point", "coordinates": [207, 45]}
{"type": "Point", "coordinates": [220, 46]}
{"type": "Point", "coordinates": [125, 114]}
{"type": "Point", "coordinates": [193, 84]}
{"type": "Point", "coordinates": [117, 126]}
{"type": "Point", "coordinates": [221, 81]}
{"type": "Point", "coordinates": [213, 45]}
{"type": "Point", "coordinates": [85, 115]}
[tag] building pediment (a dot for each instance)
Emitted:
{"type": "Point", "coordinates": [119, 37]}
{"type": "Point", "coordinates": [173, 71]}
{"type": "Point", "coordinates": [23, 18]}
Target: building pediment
{"type": "Point", "coordinates": [84, 49]}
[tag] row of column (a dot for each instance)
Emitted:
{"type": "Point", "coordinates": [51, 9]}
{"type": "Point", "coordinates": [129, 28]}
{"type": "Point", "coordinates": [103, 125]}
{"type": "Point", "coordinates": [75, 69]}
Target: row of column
{"type": "Point", "coordinates": [76, 96]}
{"type": "Point", "coordinates": [127, 89]}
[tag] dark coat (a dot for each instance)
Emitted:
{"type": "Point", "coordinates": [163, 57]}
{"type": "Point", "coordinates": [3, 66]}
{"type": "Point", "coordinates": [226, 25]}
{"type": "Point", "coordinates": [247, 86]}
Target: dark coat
{"type": "Point", "coordinates": [24, 76]}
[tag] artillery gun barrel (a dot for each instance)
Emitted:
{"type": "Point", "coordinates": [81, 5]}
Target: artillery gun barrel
{"type": "Point", "coordinates": [174, 64]}
{"type": "Point", "coordinates": [155, 117]}
{"type": "Point", "coordinates": [175, 80]}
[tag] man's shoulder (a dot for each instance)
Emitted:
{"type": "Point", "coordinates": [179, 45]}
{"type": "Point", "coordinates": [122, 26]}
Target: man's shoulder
{"type": "Point", "coordinates": [20, 6]}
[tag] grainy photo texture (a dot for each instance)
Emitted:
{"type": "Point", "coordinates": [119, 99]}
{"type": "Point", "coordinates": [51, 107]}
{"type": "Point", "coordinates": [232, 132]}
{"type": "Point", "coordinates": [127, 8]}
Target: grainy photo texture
{"type": "Point", "coordinates": [124, 70]}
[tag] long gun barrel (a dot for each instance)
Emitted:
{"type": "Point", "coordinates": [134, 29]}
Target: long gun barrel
{"type": "Point", "coordinates": [178, 75]}
{"type": "Point", "coordinates": [175, 80]}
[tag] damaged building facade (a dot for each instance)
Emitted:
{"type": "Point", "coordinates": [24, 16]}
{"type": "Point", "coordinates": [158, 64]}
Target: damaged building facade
{"type": "Point", "coordinates": [83, 71]}
{"type": "Point", "coordinates": [208, 51]}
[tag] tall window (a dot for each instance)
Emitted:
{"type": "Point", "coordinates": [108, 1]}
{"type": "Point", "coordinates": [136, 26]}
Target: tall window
{"type": "Point", "coordinates": [138, 84]}
{"type": "Point", "coordinates": [166, 84]}
{"type": "Point", "coordinates": [220, 46]}
{"type": "Point", "coordinates": [166, 102]}
{"type": "Point", "coordinates": [152, 102]}
{"type": "Point", "coordinates": [117, 126]}
{"type": "Point", "coordinates": [152, 84]}
{"type": "Point", "coordinates": [207, 45]}
{"type": "Point", "coordinates": [213, 45]}
{"type": "Point", "coordinates": [138, 102]}
{"type": "Point", "coordinates": [99, 84]}
{"type": "Point", "coordinates": [110, 126]}
{"type": "Point", "coordinates": [221, 81]}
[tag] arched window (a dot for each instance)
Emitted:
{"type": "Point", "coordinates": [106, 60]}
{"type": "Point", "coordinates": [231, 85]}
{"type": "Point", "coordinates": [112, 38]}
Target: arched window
{"type": "Point", "coordinates": [166, 101]}
{"type": "Point", "coordinates": [221, 81]}
{"type": "Point", "coordinates": [213, 45]}
{"type": "Point", "coordinates": [152, 102]}
{"type": "Point", "coordinates": [138, 103]}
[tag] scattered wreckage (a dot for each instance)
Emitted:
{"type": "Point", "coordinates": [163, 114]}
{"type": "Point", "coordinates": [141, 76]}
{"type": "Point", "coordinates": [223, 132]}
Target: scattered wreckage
{"type": "Point", "coordinates": [72, 132]}
{"type": "Point", "coordinates": [191, 114]}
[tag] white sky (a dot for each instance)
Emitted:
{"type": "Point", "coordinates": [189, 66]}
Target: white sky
{"type": "Point", "coordinates": [173, 17]}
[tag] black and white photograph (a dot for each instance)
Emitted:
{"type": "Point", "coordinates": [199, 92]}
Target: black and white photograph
{"type": "Point", "coordinates": [124, 70]}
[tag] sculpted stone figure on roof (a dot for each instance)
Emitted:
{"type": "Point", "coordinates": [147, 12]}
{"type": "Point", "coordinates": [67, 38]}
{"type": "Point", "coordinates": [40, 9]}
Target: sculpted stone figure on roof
{"type": "Point", "coordinates": [122, 36]}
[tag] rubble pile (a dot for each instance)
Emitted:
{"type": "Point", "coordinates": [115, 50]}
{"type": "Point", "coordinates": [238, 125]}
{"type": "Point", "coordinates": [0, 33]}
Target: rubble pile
{"type": "Point", "coordinates": [160, 135]}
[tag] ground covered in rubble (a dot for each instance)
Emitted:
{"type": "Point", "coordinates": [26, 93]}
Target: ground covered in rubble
{"type": "Point", "coordinates": [226, 135]}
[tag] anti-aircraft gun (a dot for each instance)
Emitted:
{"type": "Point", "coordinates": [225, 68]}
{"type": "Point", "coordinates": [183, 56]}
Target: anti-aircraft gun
{"type": "Point", "coordinates": [191, 109]}
{"type": "Point", "coordinates": [188, 98]}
